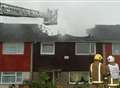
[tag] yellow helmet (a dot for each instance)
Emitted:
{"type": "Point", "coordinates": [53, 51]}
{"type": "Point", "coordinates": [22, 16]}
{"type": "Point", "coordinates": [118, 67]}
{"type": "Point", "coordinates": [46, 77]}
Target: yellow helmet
{"type": "Point", "coordinates": [98, 57]}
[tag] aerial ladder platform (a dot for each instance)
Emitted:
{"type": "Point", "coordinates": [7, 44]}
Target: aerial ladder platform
{"type": "Point", "coordinates": [49, 16]}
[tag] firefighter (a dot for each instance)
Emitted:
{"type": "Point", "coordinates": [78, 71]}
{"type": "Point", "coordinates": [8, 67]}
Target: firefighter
{"type": "Point", "coordinates": [97, 72]}
{"type": "Point", "coordinates": [113, 79]}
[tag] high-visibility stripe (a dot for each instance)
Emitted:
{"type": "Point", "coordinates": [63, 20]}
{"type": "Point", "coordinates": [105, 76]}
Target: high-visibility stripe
{"type": "Point", "coordinates": [90, 74]}
{"type": "Point", "coordinates": [97, 81]}
{"type": "Point", "coordinates": [111, 81]}
{"type": "Point", "coordinates": [113, 84]}
{"type": "Point", "coordinates": [99, 72]}
{"type": "Point", "coordinates": [91, 68]}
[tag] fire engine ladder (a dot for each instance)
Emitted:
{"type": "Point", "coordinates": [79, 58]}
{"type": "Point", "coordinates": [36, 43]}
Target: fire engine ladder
{"type": "Point", "coordinates": [50, 17]}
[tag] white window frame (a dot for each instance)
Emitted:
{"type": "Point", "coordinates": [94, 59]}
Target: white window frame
{"type": "Point", "coordinates": [11, 53]}
{"type": "Point", "coordinates": [78, 82]}
{"type": "Point", "coordinates": [41, 48]}
{"type": "Point", "coordinates": [2, 74]}
{"type": "Point", "coordinates": [113, 53]}
{"type": "Point", "coordinates": [90, 53]}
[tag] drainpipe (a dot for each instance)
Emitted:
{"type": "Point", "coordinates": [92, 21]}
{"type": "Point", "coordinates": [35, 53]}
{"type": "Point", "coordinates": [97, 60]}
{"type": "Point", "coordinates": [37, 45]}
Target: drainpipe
{"type": "Point", "coordinates": [31, 62]}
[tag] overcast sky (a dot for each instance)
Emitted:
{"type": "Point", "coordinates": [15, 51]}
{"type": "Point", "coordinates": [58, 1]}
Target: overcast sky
{"type": "Point", "coordinates": [74, 17]}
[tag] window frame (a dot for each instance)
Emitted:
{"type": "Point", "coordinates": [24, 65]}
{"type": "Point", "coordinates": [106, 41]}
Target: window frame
{"type": "Point", "coordinates": [41, 48]}
{"type": "Point", "coordinates": [90, 53]}
{"type": "Point", "coordinates": [15, 74]}
{"type": "Point", "coordinates": [5, 52]}
{"type": "Point", "coordinates": [78, 82]}
{"type": "Point", "coordinates": [113, 53]}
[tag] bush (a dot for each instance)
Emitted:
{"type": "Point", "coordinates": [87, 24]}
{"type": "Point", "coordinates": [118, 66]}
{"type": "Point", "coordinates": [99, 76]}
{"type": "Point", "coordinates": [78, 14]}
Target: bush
{"type": "Point", "coordinates": [43, 81]}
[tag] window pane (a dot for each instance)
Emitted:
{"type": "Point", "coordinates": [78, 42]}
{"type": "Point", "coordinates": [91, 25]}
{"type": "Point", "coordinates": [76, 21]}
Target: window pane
{"type": "Point", "coordinates": [47, 48]}
{"type": "Point", "coordinates": [13, 48]}
{"type": "Point", "coordinates": [92, 48]}
{"type": "Point", "coordinates": [78, 76]}
{"type": "Point", "coordinates": [11, 77]}
{"type": "Point", "coordinates": [116, 48]}
{"type": "Point", "coordinates": [8, 73]}
{"type": "Point", "coordinates": [83, 48]}
{"type": "Point", "coordinates": [8, 79]}
{"type": "Point", "coordinates": [19, 74]}
{"type": "Point", "coordinates": [75, 77]}
{"type": "Point", "coordinates": [19, 77]}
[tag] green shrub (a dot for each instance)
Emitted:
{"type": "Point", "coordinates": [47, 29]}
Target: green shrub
{"type": "Point", "coordinates": [43, 81]}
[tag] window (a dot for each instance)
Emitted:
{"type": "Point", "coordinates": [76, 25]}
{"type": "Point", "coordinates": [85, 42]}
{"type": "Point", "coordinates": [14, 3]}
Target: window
{"type": "Point", "coordinates": [84, 48]}
{"type": "Point", "coordinates": [47, 48]}
{"type": "Point", "coordinates": [11, 78]}
{"type": "Point", "coordinates": [13, 48]}
{"type": "Point", "coordinates": [116, 48]}
{"type": "Point", "coordinates": [78, 77]}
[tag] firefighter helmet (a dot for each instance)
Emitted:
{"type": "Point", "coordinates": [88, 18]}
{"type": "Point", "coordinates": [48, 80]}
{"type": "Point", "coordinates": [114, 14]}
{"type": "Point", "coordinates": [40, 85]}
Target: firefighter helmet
{"type": "Point", "coordinates": [98, 57]}
{"type": "Point", "coordinates": [111, 58]}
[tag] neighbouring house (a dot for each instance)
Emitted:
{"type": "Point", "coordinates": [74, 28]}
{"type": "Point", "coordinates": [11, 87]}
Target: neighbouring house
{"type": "Point", "coordinates": [67, 58]}
{"type": "Point", "coordinates": [109, 38]}
{"type": "Point", "coordinates": [16, 52]}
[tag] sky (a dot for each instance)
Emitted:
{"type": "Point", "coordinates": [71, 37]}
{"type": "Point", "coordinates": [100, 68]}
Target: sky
{"type": "Point", "coordinates": [75, 16]}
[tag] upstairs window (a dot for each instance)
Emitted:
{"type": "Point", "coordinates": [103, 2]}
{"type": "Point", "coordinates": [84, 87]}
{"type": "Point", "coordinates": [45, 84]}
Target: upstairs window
{"type": "Point", "coordinates": [13, 48]}
{"type": "Point", "coordinates": [85, 48]}
{"type": "Point", "coordinates": [47, 48]}
{"type": "Point", "coordinates": [116, 48]}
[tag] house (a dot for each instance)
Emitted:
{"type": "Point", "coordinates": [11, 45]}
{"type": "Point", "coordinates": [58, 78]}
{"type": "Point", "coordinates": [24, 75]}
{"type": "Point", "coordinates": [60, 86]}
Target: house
{"type": "Point", "coordinates": [16, 52]}
{"type": "Point", "coordinates": [108, 37]}
{"type": "Point", "coordinates": [67, 58]}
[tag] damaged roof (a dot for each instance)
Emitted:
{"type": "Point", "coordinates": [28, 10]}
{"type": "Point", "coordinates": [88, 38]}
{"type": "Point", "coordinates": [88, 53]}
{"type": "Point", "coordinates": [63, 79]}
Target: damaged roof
{"type": "Point", "coordinates": [32, 33]}
{"type": "Point", "coordinates": [69, 38]}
